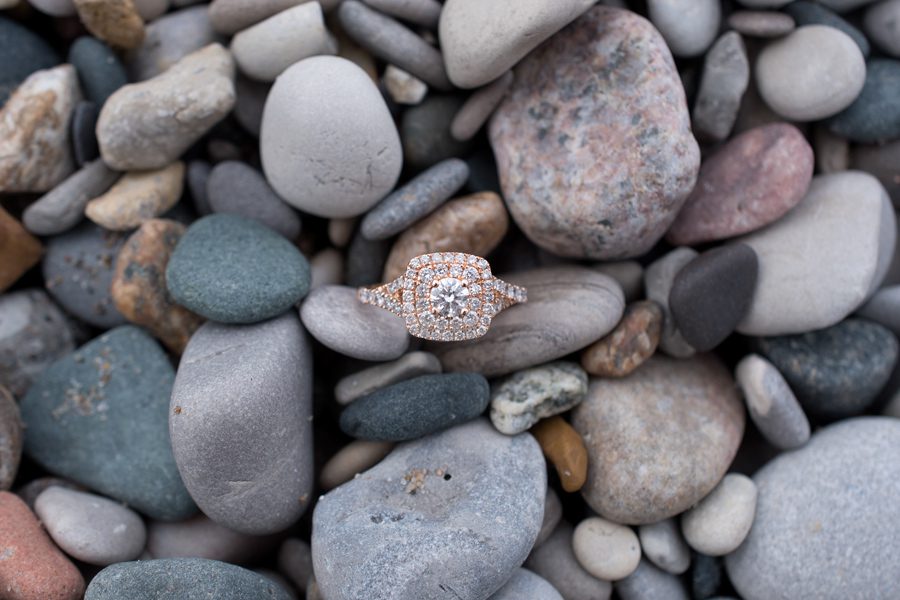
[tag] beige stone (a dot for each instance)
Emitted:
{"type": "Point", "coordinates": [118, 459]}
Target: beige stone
{"type": "Point", "coordinates": [137, 197]}
{"type": "Point", "coordinates": [116, 22]}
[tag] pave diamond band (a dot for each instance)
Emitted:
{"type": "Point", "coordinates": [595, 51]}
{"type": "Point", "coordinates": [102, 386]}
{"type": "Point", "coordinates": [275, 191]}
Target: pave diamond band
{"type": "Point", "coordinates": [445, 296]}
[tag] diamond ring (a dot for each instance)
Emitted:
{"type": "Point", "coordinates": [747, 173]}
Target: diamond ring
{"type": "Point", "coordinates": [445, 296]}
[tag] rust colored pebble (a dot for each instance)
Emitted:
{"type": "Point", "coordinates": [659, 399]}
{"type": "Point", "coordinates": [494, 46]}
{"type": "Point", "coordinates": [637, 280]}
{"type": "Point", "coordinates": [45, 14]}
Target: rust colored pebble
{"type": "Point", "coordinates": [31, 567]}
{"type": "Point", "coordinates": [116, 22]}
{"type": "Point", "coordinates": [565, 449]}
{"type": "Point", "coordinates": [19, 250]}
{"type": "Point", "coordinates": [633, 341]}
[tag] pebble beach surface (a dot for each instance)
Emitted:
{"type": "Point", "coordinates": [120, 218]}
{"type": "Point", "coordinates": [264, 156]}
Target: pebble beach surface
{"type": "Point", "coordinates": [698, 401]}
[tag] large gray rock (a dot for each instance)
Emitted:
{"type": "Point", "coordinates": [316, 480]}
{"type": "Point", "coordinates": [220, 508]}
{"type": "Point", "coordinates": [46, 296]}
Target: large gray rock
{"type": "Point", "coordinates": [240, 423]}
{"type": "Point", "coordinates": [449, 516]}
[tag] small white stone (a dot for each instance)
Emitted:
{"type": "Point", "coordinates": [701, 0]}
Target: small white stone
{"type": "Point", "coordinates": [606, 550]}
{"type": "Point", "coordinates": [688, 26]}
{"type": "Point", "coordinates": [663, 545]}
{"type": "Point", "coordinates": [403, 87]}
{"type": "Point", "coordinates": [721, 521]}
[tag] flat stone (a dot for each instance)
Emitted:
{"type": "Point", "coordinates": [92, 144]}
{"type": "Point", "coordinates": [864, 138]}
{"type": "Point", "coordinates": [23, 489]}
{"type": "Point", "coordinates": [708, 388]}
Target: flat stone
{"type": "Point", "coordinates": [632, 342]}
{"type": "Point", "coordinates": [525, 585]}
{"type": "Point", "coordinates": [256, 479]}
{"type": "Point", "coordinates": [848, 220]}
{"type": "Point", "coordinates": [772, 405]}
{"type": "Point", "coordinates": [426, 135]}
{"type": "Point", "coordinates": [188, 578]}
{"type": "Point", "coordinates": [230, 16]}
{"type": "Point", "coordinates": [840, 488]}
{"type": "Point", "coordinates": [688, 26]}
{"type": "Point", "coordinates": [752, 180]}
{"type": "Point", "coordinates": [726, 75]}
{"type": "Point", "coordinates": [812, 73]}
{"type": "Point", "coordinates": [237, 188]}
{"type": "Point", "coordinates": [84, 137]}
{"type": "Point", "coordinates": [201, 537]}
{"type": "Point", "coordinates": [423, 522]}
{"type": "Point", "coordinates": [605, 549]}
{"type": "Point", "coordinates": [881, 22]}
{"type": "Point", "coordinates": [568, 308]}
{"type": "Point", "coordinates": [368, 380]}
{"type": "Point", "coordinates": [552, 516]}
{"type": "Point", "coordinates": [336, 318]}
{"type": "Point", "coordinates": [476, 110]}
{"type": "Point", "coordinates": [99, 69]}
{"type": "Point", "coordinates": [418, 12]}
{"type": "Point", "coordinates": [91, 528]}
{"type": "Point", "coordinates": [662, 544]}
{"type": "Point", "coordinates": [621, 154]}
{"type": "Point", "coordinates": [19, 250]}
{"type": "Point", "coordinates": [873, 117]}
{"type": "Point", "coordinates": [148, 125]}
{"type": "Point", "coordinates": [11, 435]}
{"type": "Point", "coordinates": [660, 439]}
{"type": "Point", "coordinates": [233, 270]}
{"type": "Point", "coordinates": [813, 13]}
{"type": "Point", "coordinates": [352, 459]}
{"type": "Point", "coordinates": [33, 568]}
{"type": "Point", "coordinates": [170, 39]}
{"type": "Point", "coordinates": [659, 277]}
{"type": "Point", "coordinates": [761, 24]}
{"type": "Point", "coordinates": [137, 197]}
{"type": "Point", "coordinates": [524, 398]}
{"type": "Point", "coordinates": [35, 146]}
{"type": "Point", "coordinates": [329, 158]}
{"type": "Point", "coordinates": [415, 199]}
{"type": "Point", "coordinates": [100, 417]}
{"type": "Point", "coordinates": [473, 224]}
{"type": "Point", "coordinates": [718, 524]}
{"type": "Point", "coordinates": [78, 271]}
{"type": "Point", "coordinates": [555, 561]}
{"type": "Point", "coordinates": [838, 371]}
{"type": "Point", "coordinates": [116, 22]}
{"type": "Point", "coordinates": [482, 40]}
{"type": "Point", "coordinates": [416, 407]}
{"type": "Point", "coordinates": [402, 87]}
{"type": "Point", "coordinates": [564, 449]}
{"type": "Point", "coordinates": [24, 52]}
{"type": "Point", "coordinates": [647, 582]}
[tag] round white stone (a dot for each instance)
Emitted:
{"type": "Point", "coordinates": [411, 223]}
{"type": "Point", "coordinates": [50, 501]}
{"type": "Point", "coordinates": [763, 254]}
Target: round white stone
{"type": "Point", "coordinates": [606, 550]}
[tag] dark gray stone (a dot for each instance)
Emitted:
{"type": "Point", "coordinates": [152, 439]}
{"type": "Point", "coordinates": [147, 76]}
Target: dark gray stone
{"type": "Point", "coordinates": [706, 576]}
{"type": "Point", "coordinates": [62, 208]}
{"type": "Point", "coordinates": [425, 132]}
{"type": "Point", "coordinates": [368, 380]}
{"type": "Point", "coordinates": [197, 178]}
{"type": "Point", "coordinates": [726, 74]}
{"type": "Point", "coordinates": [874, 116]}
{"type": "Point", "coordinates": [84, 136]}
{"type": "Point", "coordinates": [365, 260]}
{"type": "Point", "coordinates": [813, 13]}
{"type": "Point", "coordinates": [23, 53]}
{"type": "Point", "coordinates": [250, 102]}
{"type": "Point", "coordinates": [100, 71]}
{"type": "Point", "coordinates": [771, 403]}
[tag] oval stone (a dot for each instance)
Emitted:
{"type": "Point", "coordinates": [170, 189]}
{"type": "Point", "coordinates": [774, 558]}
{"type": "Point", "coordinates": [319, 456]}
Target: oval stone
{"type": "Point", "coordinates": [688, 26]}
{"type": "Point", "coordinates": [328, 143]}
{"type": "Point", "coordinates": [660, 439]}
{"type": "Point", "coordinates": [424, 522]}
{"type": "Point", "coordinates": [525, 585]}
{"type": "Point", "coordinates": [771, 403]}
{"type": "Point", "coordinates": [633, 341]}
{"type": "Point", "coordinates": [555, 561]}
{"type": "Point", "coordinates": [240, 421]}
{"type": "Point", "coordinates": [607, 130]}
{"type": "Point", "coordinates": [874, 116]}
{"type": "Point", "coordinates": [99, 69]}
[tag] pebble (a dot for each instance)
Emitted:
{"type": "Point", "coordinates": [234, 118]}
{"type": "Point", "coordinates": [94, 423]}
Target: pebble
{"type": "Point", "coordinates": [237, 188]}
{"type": "Point", "coordinates": [148, 125]}
{"type": "Point", "coordinates": [752, 180]}
{"type": "Point", "coordinates": [425, 132]}
{"type": "Point", "coordinates": [170, 39]}
{"type": "Point", "coordinates": [479, 107]}
{"type": "Point", "coordinates": [718, 524]}
{"type": "Point", "coordinates": [524, 398]}
{"type": "Point", "coordinates": [19, 250]}
{"type": "Point", "coordinates": [416, 407]}
{"type": "Point", "coordinates": [873, 117]}
{"type": "Point", "coordinates": [832, 151]}
{"type": "Point", "coordinates": [726, 75]}
{"type": "Point", "coordinates": [78, 269]}
{"type": "Point", "coordinates": [329, 158]}
{"type": "Point", "coordinates": [424, 13]}
{"type": "Point", "coordinates": [688, 26]}
{"type": "Point", "coordinates": [881, 162]}
{"type": "Point", "coordinates": [197, 177]}
{"type": "Point", "coordinates": [91, 528]}
{"type": "Point", "coordinates": [393, 42]}
{"type": "Point", "coordinates": [525, 585]}
{"type": "Point", "coordinates": [295, 561]}
{"type": "Point", "coordinates": [630, 136]}
{"type": "Point", "coordinates": [838, 209]}
{"type": "Point", "coordinates": [368, 380]}
{"type": "Point", "coordinates": [552, 516]}
{"type": "Point", "coordinates": [632, 342]}
{"type": "Point", "coordinates": [250, 103]}
{"type": "Point", "coordinates": [11, 435]}
{"type": "Point", "coordinates": [116, 22]}
{"type": "Point", "coordinates": [35, 124]}
{"type": "Point", "coordinates": [231, 16]}
{"type": "Point", "coordinates": [663, 545]}
{"type": "Point", "coordinates": [34, 332]}
{"type": "Point", "coordinates": [256, 478]}
{"type": "Point", "coordinates": [838, 371]}
{"type": "Point", "coordinates": [834, 496]}
{"type": "Point", "coordinates": [365, 260]}
{"type": "Point", "coordinates": [659, 278]}
{"type": "Point", "coordinates": [201, 537]}
{"type": "Point", "coordinates": [233, 270]}
{"type": "Point", "coordinates": [711, 294]}
{"type": "Point", "coordinates": [100, 417]}
{"type": "Point", "coordinates": [564, 449]}
{"type": "Point", "coordinates": [402, 87]}
{"type": "Point", "coordinates": [263, 51]}
{"type": "Point", "coordinates": [181, 578]}
{"type": "Point", "coordinates": [336, 318]}
{"type": "Point", "coordinates": [813, 13]}
{"type": "Point", "coordinates": [812, 73]}
{"type": "Point", "coordinates": [151, 9]}
{"type": "Point", "coordinates": [628, 273]}
{"type": "Point", "coordinates": [761, 24]}
{"type": "Point", "coordinates": [555, 561]}
{"type": "Point", "coordinates": [882, 308]}
{"type": "Point", "coordinates": [84, 136]}
{"type": "Point", "coordinates": [772, 405]}
{"type": "Point", "coordinates": [352, 459]}
{"type": "Point", "coordinates": [473, 224]}
{"type": "Point", "coordinates": [605, 549]}
{"type": "Point", "coordinates": [430, 516]}
{"type": "Point", "coordinates": [481, 41]}
{"type": "Point", "coordinates": [326, 268]}
{"type": "Point", "coordinates": [568, 308]}
{"type": "Point", "coordinates": [649, 583]}
{"type": "Point", "coordinates": [34, 488]}
{"type": "Point", "coordinates": [32, 567]}
{"type": "Point", "coordinates": [660, 439]}
{"type": "Point", "coordinates": [414, 200]}
{"type": "Point", "coordinates": [24, 53]}
{"type": "Point", "coordinates": [881, 22]}
{"type": "Point", "coordinates": [139, 290]}
{"type": "Point", "coordinates": [137, 197]}
{"type": "Point", "coordinates": [100, 71]}
{"type": "Point", "coordinates": [706, 575]}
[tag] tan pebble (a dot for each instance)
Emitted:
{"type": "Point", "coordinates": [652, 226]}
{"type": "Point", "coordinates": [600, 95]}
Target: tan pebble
{"type": "Point", "coordinates": [137, 197]}
{"type": "Point", "coordinates": [326, 268]}
{"type": "Point", "coordinates": [340, 231]}
{"type": "Point", "coordinates": [633, 341]}
{"type": "Point", "coordinates": [606, 550]}
{"type": "Point", "coordinates": [476, 110]}
{"type": "Point", "coordinates": [355, 457]}
{"type": "Point", "coordinates": [565, 449]}
{"type": "Point", "coordinates": [19, 250]}
{"type": "Point", "coordinates": [719, 523]}
{"type": "Point", "coordinates": [116, 22]}
{"type": "Point", "coordinates": [403, 87]}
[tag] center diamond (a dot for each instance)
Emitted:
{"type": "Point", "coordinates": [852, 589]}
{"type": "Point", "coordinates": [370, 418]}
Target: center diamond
{"type": "Point", "coordinates": [448, 297]}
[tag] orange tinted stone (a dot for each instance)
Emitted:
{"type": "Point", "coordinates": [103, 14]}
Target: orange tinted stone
{"type": "Point", "coordinates": [633, 341]}
{"type": "Point", "coordinates": [19, 250]}
{"type": "Point", "coordinates": [565, 449]}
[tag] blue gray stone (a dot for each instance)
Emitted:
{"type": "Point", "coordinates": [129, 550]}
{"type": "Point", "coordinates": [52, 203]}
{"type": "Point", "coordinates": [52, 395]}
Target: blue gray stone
{"type": "Point", "coordinates": [62, 208]}
{"type": "Point", "coordinates": [100, 417]}
{"type": "Point", "coordinates": [234, 270]}
{"type": "Point", "coordinates": [425, 131]}
{"type": "Point", "coordinates": [874, 117]}
{"type": "Point", "coordinates": [650, 583]}
{"type": "Point", "coordinates": [706, 576]}
{"type": "Point", "coordinates": [525, 585]}
{"type": "Point", "coordinates": [813, 13]}
{"type": "Point", "coordinates": [100, 71]}
{"type": "Point", "coordinates": [84, 132]}
{"type": "Point", "coordinates": [23, 53]}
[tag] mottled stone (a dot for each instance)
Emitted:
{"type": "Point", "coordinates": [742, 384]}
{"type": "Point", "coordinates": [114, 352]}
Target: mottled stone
{"type": "Point", "coordinates": [761, 24]}
{"type": "Point", "coordinates": [352, 459]}
{"type": "Point", "coordinates": [99, 69]}
{"type": "Point", "coordinates": [116, 22]}
{"type": "Point", "coordinates": [425, 131]}
{"type": "Point", "coordinates": [368, 380]}
{"type": "Point", "coordinates": [237, 188]}
{"type": "Point", "coordinates": [726, 74]}
{"type": "Point", "coordinates": [19, 250]}
{"type": "Point", "coordinates": [718, 524]}
{"type": "Point", "coordinates": [771, 403]}
{"type": "Point", "coordinates": [137, 197]}
{"type": "Point", "coordinates": [606, 550]}
{"type": "Point", "coordinates": [873, 117]}
{"type": "Point", "coordinates": [525, 585]}
{"type": "Point", "coordinates": [555, 561]}
{"type": "Point", "coordinates": [662, 544]}
{"type": "Point", "coordinates": [169, 39]}
{"type": "Point", "coordinates": [11, 435]}
{"type": "Point", "coordinates": [688, 26]}
{"type": "Point", "coordinates": [632, 342]}
{"type": "Point", "coordinates": [881, 23]}
{"type": "Point", "coordinates": [424, 522]}
{"type": "Point", "coordinates": [257, 477]}
{"type": "Point", "coordinates": [649, 583]}
{"type": "Point", "coordinates": [660, 439]}
{"type": "Point", "coordinates": [524, 398]}
{"type": "Point", "coordinates": [201, 537]}
{"type": "Point", "coordinates": [621, 153]}
{"type": "Point", "coordinates": [476, 110]}
{"type": "Point", "coordinates": [564, 449]}
{"type": "Point", "coordinates": [659, 277]}
{"type": "Point", "coordinates": [813, 13]}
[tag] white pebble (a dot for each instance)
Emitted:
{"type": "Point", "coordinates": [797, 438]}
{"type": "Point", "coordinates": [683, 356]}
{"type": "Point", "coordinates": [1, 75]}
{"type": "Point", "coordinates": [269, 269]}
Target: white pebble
{"type": "Point", "coordinates": [606, 550]}
{"type": "Point", "coordinates": [722, 520]}
{"type": "Point", "coordinates": [663, 545]}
